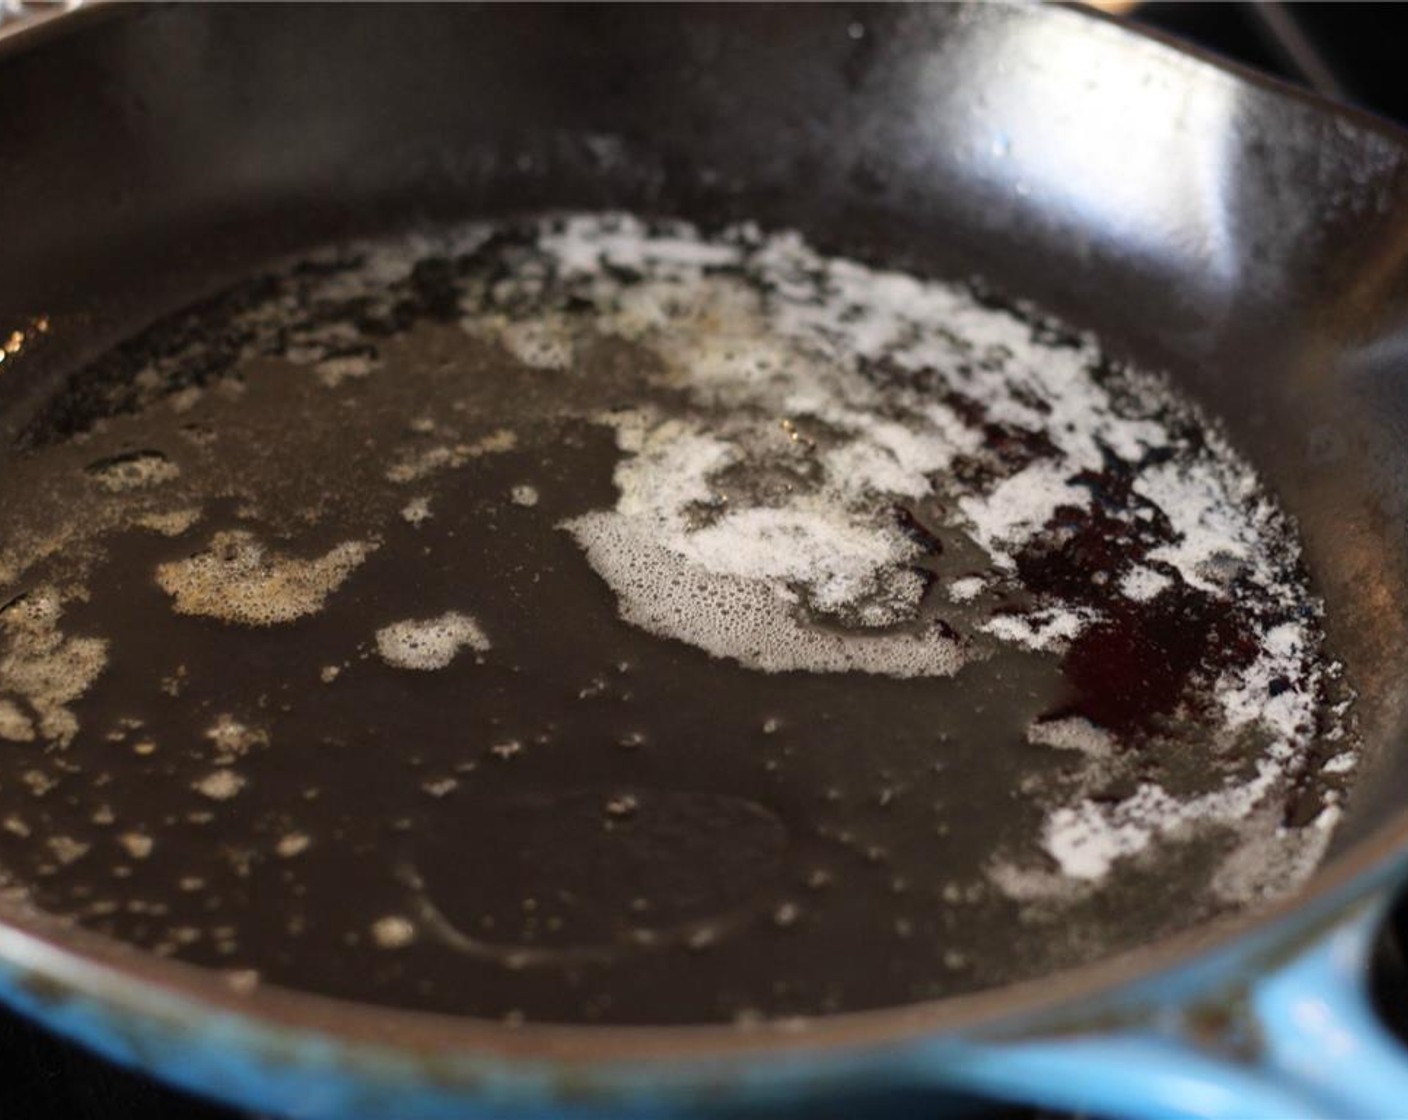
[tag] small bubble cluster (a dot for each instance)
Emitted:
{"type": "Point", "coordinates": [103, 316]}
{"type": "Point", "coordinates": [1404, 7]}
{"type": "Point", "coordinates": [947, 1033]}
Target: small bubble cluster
{"type": "Point", "coordinates": [238, 579]}
{"type": "Point", "coordinates": [429, 643]}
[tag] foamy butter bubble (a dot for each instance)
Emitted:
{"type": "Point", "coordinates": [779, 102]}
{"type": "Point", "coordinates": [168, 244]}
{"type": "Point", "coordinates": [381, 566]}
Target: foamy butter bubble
{"type": "Point", "coordinates": [219, 785]}
{"type": "Point", "coordinates": [429, 643]}
{"type": "Point", "coordinates": [14, 724]}
{"type": "Point", "coordinates": [967, 589]}
{"type": "Point", "coordinates": [840, 561]}
{"type": "Point", "coordinates": [1143, 584]}
{"type": "Point", "coordinates": [138, 845]}
{"type": "Point", "coordinates": [43, 668]}
{"type": "Point", "coordinates": [393, 932]}
{"type": "Point", "coordinates": [332, 372]}
{"type": "Point", "coordinates": [238, 579]}
{"type": "Point", "coordinates": [416, 511]}
{"type": "Point", "coordinates": [421, 463]}
{"type": "Point", "coordinates": [292, 844]}
{"type": "Point", "coordinates": [544, 344]}
{"type": "Point", "coordinates": [134, 471]}
{"type": "Point", "coordinates": [1049, 630]}
{"type": "Point", "coordinates": [751, 620]}
{"type": "Point", "coordinates": [168, 524]}
{"type": "Point", "coordinates": [1072, 733]}
{"type": "Point", "coordinates": [756, 582]}
{"type": "Point", "coordinates": [1087, 838]}
{"type": "Point", "coordinates": [234, 739]}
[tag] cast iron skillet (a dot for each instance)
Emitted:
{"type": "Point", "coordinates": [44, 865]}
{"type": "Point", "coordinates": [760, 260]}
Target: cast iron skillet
{"type": "Point", "coordinates": [1243, 237]}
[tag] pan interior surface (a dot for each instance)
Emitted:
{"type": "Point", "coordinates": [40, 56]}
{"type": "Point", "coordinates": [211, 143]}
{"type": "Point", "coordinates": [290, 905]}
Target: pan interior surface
{"type": "Point", "coordinates": [1263, 277]}
{"type": "Point", "coordinates": [584, 619]}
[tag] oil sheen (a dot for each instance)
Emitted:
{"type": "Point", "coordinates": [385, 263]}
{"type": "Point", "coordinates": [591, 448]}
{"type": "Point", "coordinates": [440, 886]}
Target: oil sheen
{"type": "Point", "coordinates": [585, 619]}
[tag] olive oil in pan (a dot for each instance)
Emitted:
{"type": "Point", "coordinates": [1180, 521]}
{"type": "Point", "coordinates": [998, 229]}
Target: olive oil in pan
{"type": "Point", "coordinates": [588, 620]}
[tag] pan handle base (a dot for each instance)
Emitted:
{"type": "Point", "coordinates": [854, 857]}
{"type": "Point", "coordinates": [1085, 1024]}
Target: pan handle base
{"type": "Point", "coordinates": [1312, 1045]}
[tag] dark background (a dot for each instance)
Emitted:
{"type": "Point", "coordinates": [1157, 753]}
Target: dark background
{"type": "Point", "coordinates": [1352, 51]}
